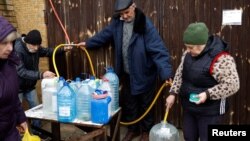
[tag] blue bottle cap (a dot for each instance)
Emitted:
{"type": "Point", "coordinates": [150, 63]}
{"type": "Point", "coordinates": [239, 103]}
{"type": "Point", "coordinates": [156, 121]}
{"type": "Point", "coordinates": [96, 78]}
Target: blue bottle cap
{"type": "Point", "coordinates": [78, 79]}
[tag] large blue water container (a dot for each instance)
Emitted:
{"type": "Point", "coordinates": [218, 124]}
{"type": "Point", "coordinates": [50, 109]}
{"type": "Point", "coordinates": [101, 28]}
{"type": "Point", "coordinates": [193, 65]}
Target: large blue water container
{"type": "Point", "coordinates": [100, 112]}
{"type": "Point", "coordinates": [66, 104]}
{"type": "Point", "coordinates": [114, 82]}
{"type": "Point", "coordinates": [83, 102]}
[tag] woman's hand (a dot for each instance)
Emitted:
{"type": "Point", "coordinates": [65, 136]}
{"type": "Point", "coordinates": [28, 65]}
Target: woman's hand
{"type": "Point", "coordinates": [170, 100]}
{"type": "Point", "coordinates": [202, 98]}
{"type": "Point", "coordinates": [22, 127]}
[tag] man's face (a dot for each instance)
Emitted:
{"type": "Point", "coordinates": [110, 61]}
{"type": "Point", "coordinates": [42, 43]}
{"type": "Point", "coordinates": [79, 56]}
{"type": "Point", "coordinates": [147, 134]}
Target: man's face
{"type": "Point", "coordinates": [128, 14]}
{"type": "Point", "coordinates": [32, 48]}
{"type": "Point", "coordinates": [194, 50]}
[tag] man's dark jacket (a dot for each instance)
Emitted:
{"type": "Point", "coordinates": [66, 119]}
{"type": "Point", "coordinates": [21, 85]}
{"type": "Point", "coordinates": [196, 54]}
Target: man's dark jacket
{"type": "Point", "coordinates": [147, 55]}
{"type": "Point", "coordinates": [28, 69]}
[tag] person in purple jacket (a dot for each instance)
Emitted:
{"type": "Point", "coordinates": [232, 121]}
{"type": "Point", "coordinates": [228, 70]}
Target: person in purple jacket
{"type": "Point", "coordinates": [12, 116]}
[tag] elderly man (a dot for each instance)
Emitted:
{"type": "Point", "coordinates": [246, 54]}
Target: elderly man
{"type": "Point", "coordinates": [140, 56]}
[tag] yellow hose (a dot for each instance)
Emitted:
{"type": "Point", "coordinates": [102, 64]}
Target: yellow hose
{"type": "Point", "coordinates": [166, 115]}
{"type": "Point", "coordinates": [62, 45]}
{"type": "Point", "coordinates": [149, 108]}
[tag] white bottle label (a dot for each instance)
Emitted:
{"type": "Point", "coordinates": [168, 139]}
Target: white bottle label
{"type": "Point", "coordinates": [64, 111]}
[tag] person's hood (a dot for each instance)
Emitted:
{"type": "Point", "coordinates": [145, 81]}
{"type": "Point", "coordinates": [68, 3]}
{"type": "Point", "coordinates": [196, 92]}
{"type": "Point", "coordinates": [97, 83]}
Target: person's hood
{"type": "Point", "coordinates": [214, 46]}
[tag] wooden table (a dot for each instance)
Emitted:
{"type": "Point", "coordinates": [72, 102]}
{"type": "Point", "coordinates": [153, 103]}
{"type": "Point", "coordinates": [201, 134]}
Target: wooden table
{"type": "Point", "coordinates": [93, 129]}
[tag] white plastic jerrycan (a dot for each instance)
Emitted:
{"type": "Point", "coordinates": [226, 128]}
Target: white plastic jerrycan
{"type": "Point", "coordinates": [49, 95]}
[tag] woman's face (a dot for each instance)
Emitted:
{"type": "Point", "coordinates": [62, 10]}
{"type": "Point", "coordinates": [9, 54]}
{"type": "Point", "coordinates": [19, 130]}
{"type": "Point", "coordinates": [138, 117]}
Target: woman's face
{"type": "Point", "coordinates": [194, 50]}
{"type": "Point", "coordinates": [5, 49]}
{"type": "Point", "coordinates": [6, 46]}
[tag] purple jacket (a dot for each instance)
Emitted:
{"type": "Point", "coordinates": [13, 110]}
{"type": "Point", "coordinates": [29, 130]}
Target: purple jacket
{"type": "Point", "coordinates": [11, 112]}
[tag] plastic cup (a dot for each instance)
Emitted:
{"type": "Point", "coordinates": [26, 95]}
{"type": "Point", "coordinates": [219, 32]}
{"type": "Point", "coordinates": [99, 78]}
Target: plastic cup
{"type": "Point", "coordinates": [193, 97]}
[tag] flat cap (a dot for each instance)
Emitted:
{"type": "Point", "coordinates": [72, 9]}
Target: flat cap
{"type": "Point", "coordinates": [122, 4]}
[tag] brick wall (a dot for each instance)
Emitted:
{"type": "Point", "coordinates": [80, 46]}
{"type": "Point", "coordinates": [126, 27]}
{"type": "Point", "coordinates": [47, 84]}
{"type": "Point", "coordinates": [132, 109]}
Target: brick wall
{"type": "Point", "coordinates": [7, 11]}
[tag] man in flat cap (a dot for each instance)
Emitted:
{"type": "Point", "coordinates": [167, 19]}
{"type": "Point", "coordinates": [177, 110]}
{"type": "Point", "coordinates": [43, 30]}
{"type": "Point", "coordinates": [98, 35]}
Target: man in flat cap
{"type": "Point", "coordinates": [140, 56]}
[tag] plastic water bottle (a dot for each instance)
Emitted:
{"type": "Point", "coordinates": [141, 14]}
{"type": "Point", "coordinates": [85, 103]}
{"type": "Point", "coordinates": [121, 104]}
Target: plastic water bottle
{"type": "Point", "coordinates": [72, 85]}
{"type": "Point", "coordinates": [49, 94]}
{"type": "Point", "coordinates": [164, 132]}
{"type": "Point", "coordinates": [66, 104]}
{"type": "Point", "coordinates": [78, 82]}
{"type": "Point", "coordinates": [114, 82]}
{"type": "Point", "coordinates": [60, 83]}
{"type": "Point", "coordinates": [105, 86]}
{"type": "Point", "coordinates": [83, 102]}
{"type": "Point", "coordinates": [92, 83]}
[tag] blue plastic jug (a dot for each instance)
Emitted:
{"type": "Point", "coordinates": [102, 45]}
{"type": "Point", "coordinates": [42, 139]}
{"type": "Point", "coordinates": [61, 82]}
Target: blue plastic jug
{"type": "Point", "coordinates": [66, 104]}
{"type": "Point", "coordinates": [100, 112]}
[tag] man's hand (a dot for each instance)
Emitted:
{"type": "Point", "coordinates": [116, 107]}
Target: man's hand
{"type": "Point", "coordinates": [81, 44]}
{"type": "Point", "coordinates": [67, 48]}
{"type": "Point", "coordinates": [48, 74]}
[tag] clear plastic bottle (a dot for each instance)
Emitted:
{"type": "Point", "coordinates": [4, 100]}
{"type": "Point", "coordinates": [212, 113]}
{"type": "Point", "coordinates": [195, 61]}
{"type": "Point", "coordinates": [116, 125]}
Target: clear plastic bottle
{"type": "Point", "coordinates": [114, 82]}
{"type": "Point", "coordinates": [83, 102]}
{"type": "Point", "coordinates": [92, 83]}
{"type": "Point", "coordinates": [105, 86]}
{"type": "Point", "coordinates": [66, 104]}
{"type": "Point", "coordinates": [72, 85]}
{"type": "Point", "coordinates": [78, 82]}
{"type": "Point", "coordinates": [163, 132]}
{"type": "Point", "coordinates": [49, 94]}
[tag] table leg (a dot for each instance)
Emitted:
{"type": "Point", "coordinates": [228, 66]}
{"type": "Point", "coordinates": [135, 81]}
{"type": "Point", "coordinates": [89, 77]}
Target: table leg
{"type": "Point", "coordinates": [55, 128]}
{"type": "Point", "coordinates": [115, 127]}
